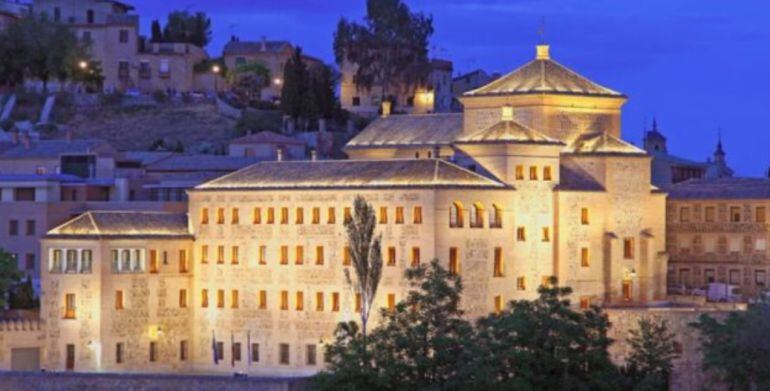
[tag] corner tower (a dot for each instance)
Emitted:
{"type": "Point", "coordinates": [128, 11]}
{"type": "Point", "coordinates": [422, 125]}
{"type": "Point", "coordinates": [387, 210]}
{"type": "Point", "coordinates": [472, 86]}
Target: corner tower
{"type": "Point", "coordinates": [548, 97]}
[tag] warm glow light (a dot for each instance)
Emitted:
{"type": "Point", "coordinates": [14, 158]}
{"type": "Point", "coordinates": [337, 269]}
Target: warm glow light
{"type": "Point", "coordinates": [277, 81]}
{"type": "Point", "coordinates": [83, 65]}
{"type": "Point", "coordinates": [215, 69]}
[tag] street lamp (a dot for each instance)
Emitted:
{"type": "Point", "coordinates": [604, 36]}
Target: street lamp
{"type": "Point", "coordinates": [215, 69]}
{"type": "Point", "coordinates": [83, 65]}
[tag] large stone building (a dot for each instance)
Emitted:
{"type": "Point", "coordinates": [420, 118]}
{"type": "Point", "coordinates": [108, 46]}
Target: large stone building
{"type": "Point", "coordinates": [531, 181]}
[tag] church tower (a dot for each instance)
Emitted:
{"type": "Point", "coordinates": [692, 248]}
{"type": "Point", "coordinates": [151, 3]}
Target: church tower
{"type": "Point", "coordinates": [654, 141]}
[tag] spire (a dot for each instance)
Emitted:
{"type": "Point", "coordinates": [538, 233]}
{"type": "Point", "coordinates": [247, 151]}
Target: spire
{"type": "Point", "coordinates": [654, 124]}
{"type": "Point", "coordinates": [654, 141]}
{"type": "Point", "coordinates": [542, 48]}
{"type": "Point", "coordinates": [720, 152]}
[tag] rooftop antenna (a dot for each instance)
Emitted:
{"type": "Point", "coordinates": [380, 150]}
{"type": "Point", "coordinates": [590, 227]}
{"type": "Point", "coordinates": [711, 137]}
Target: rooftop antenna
{"type": "Point", "coordinates": [541, 30]}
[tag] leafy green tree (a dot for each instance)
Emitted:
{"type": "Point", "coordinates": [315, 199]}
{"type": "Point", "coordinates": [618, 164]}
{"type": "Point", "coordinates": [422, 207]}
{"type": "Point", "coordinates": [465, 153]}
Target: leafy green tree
{"type": "Point", "coordinates": [365, 256]}
{"type": "Point", "coordinates": [23, 296]}
{"type": "Point", "coordinates": [419, 345]}
{"type": "Point", "coordinates": [653, 351]}
{"type": "Point", "coordinates": [183, 26]}
{"type": "Point", "coordinates": [735, 350]}
{"type": "Point", "coordinates": [390, 48]}
{"type": "Point", "coordinates": [90, 76]}
{"type": "Point", "coordinates": [542, 345]}
{"type": "Point", "coordinates": [295, 83]}
{"type": "Point", "coordinates": [10, 276]}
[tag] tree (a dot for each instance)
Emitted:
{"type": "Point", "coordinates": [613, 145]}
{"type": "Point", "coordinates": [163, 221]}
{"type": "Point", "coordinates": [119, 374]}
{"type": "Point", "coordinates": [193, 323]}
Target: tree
{"type": "Point", "coordinates": [9, 276]}
{"type": "Point", "coordinates": [91, 77]}
{"type": "Point", "coordinates": [419, 345]}
{"type": "Point", "coordinates": [389, 49]}
{"type": "Point", "coordinates": [366, 257]}
{"type": "Point", "coordinates": [182, 26]}
{"type": "Point", "coordinates": [156, 32]}
{"type": "Point", "coordinates": [249, 80]}
{"type": "Point", "coordinates": [735, 350]}
{"type": "Point", "coordinates": [23, 296]}
{"type": "Point", "coordinates": [542, 344]}
{"type": "Point", "coordinates": [323, 81]}
{"type": "Point", "coordinates": [295, 77]}
{"type": "Point", "coordinates": [653, 351]}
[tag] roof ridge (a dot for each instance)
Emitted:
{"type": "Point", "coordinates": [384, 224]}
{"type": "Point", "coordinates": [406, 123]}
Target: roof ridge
{"type": "Point", "coordinates": [93, 222]}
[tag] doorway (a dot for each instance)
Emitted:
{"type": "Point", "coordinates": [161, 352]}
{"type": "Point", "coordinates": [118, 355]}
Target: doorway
{"type": "Point", "coordinates": [70, 357]}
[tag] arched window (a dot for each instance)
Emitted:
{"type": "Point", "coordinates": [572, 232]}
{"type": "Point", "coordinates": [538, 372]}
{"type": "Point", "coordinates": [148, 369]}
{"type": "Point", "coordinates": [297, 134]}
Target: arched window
{"type": "Point", "coordinates": [477, 216]}
{"type": "Point", "coordinates": [495, 217]}
{"type": "Point", "coordinates": [456, 215]}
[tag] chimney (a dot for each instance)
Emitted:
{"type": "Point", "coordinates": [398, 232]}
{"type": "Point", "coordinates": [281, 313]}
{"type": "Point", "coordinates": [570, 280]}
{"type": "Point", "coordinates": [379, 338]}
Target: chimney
{"type": "Point", "coordinates": [279, 154]}
{"type": "Point", "coordinates": [313, 155]}
{"type": "Point", "coordinates": [386, 105]}
{"type": "Point", "coordinates": [322, 125]}
{"type": "Point", "coordinates": [507, 113]}
{"type": "Point", "coordinates": [543, 52]}
{"type": "Point", "coordinates": [25, 140]}
{"type": "Point", "coordinates": [264, 44]}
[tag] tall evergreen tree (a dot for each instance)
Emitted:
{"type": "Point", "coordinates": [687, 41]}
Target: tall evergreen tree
{"type": "Point", "coordinates": [652, 353]}
{"type": "Point", "coordinates": [10, 276]}
{"type": "Point", "coordinates": [156, 32]}
{"type": "Point", "coordinates": [295, 79]}
{"type": "Point", "coordinates": [182, 26]}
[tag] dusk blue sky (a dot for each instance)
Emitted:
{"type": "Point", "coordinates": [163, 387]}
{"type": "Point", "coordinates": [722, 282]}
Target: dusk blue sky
{"type": "Point", "coordinates": [697, 65]}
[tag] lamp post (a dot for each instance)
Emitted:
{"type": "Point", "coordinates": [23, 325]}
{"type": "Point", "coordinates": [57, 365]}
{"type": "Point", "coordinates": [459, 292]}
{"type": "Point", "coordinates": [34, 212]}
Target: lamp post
{"type": "Point", "coordinates": [215, 69]}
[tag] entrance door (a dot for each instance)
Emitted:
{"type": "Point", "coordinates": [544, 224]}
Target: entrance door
{"type": "Point", "coordinates": [627, 290]}
{"type": "Point", "coordinates": [70, 357]}
{"type": "Point", "coordinates": [25, 359]}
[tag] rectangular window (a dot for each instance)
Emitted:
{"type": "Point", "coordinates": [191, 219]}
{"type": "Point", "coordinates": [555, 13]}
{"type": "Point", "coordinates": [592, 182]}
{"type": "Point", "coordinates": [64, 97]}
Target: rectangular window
{"type": "Point", "coordinates": [284, 300]}
{"type": "Point", "coordinates": [283, 353]}
{"type": "Point", "coordinates": [257, 218]}
{"type": "Point", "coordinates": [319, 301]}
{"type": "Point", "coordinates": [300, 218]}
{"type": "Point", "coordinates": [204, 254]}
{"type": "Point", "coordinates": [183, 261]}
{"type": "Point", "coordinates": [710, 214]}
{"type": "Point", "coordinates": [69, 306]}
{"type": "Point", "coordinates": [205, 298]}
{"type": "Point", "coordinates": [585, 261]}
{"type": "Point", "coordinates": [347, 215]}
{"type": "Point", "coordinates": [584, 216]}
{"type": "Point", "coordinates": [383, 215]}
{"type": "Point", "coordinates": [220, 254]}
{"type": "Point", "coordinates": [153, 261]}
{"type": "Point", "coordinates": [316, 215]}
{"type": "Point", "coordinates": [399, 215]}
{"type": "Point", "coordinates": [300, 304]}
{"type": "Point", "coordinates": [417, 215]}
{"type": "Point", "coordinates": [220, 298]}
{"type": "Point", "coordinates": [521, 283]}
{"type": "Point", "coordinates": [119, 300]}
{"type": "Point", "coordinates": [284, 255]}
{"type": "Point", "coordinates": [220, 215]}
{"type": "Point", "coordinates": [234, 303]}
{"type": "Point", "coordinates": [359, 305]}
{"type": "Point", "coordinates": [628, 248]}
{"type": "Point", "coordinates": [735, 214]}
{"type": "Point", "coordinates": [311, 355]}
{"type": "Point", "coordinates": [183, 298]}
{"type": "Point", "coordinates": [263, 300]}
{"type": "Point", "coordinates": [220, 351]}
{"type": "Point", "coordinates": [391, 302]}
{"type": "Point", "coordinates": [533, 173]}
{"type": "Point", "coordinates": [13, 227]}
{"type": "Point", "coordinates": [119, 352]}
{"type": "Point", "coordinates": [585, 302]}
{"type": "Point", "coordinates": [454, 262]}
{"type": "Point", "coordinates": [335, 302]}
{"type": "Point", "coordinates": [183, 350]}
{"type": "Point", "coordinates": [234, 259]}
{"type": "Point", "coordinates": [255, 352]}
{"type": "Point", "coordinates": [204, 216]}
{"type": "Point", "coordinates": [270, 215]}
{"type": "Point", "coordinates": [319, 255]}
{"type": "Point", "coordinates": [498, 265]}
{"type": "Point", "coordinates": [684, 214]}
{"type": "Point", "coordinates": [760, 277]}
{"type": "Point", "coordinates": [415, 256]}
{"type": "Point", "coordinates": [299, 255]}
{"type": "Point", "coordinates": [123, 36]}
{"type": "Point", "coordinates": [498, 304]}
{"type": "Point", "coordinates": [547, 173]}
{"type": "Point", "coordinates": [391, 256]}
{"type": "Point", "coordinates": [235, 218]}
{"type": "Point", "coordinates": [546, 234]}
{"type": "Point", "coordinates": [31, 229]}
{"type": "Point", "coordinates": [284, 215]}
{"type": "Point", "coordinates": [521, 234]}
{"type": "Point", "coordinates": [346, 256]}
{"type": "Point", "coordinates": [153, 351]}
{"type": "Point", "coordinates": [236, 351]}
{"type": "Point", "coordinates": [760, 215]}
{"type": "Point", "coordinates": [331, 217]}
{"type": "Point", "coordinates": [263, 255]}
{"type": "Point", "coordinates": [519, 173]}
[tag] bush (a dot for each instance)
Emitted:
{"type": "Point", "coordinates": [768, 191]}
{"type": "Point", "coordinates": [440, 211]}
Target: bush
{"type": "Point", "coordinates": [7, 125]}
{"type": "Point", "coordinates": [263, 105]}
{"type": "Point", "coordinates": [47, 129]}
{"type": "Point", "coordinates": [110, 99]}
{"type": "Point", "coordinates": [160, 96]}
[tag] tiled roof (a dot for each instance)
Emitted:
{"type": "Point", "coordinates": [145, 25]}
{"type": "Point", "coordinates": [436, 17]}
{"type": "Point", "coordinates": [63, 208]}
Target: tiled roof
{"type": "Point", "coordinates": [543, 75]}
{"type": "Point", "coordinates": [508, 132]}
{"type": "Point", "coordinates": [123, 224]}
{"type": "Point", "coordinates": [575, 179]}
{"type": "Point", "coordinates": [410, 130]}
{"type": "Point", "coordinates": [266, 137]}
{"type": "Point", "coordinates": [602, 143]}
{"type": "Point", "coordinates": [54, 148]}
{"type": "Point", "coordinates": [721, 188]}
{"type": "Point", "coordinates": [250, 47]}
{"type": "Point", "coordinates": [201, 163]}
{"type": "Point", "coordinates": [333, 174]}
{"type": "Point", "coordinates": [147, 157]}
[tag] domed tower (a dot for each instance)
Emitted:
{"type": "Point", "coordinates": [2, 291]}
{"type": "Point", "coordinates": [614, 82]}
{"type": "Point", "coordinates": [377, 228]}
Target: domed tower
{"type": "Point", "coordinates": [548, 97]}
{"type": "Point", "coordinates": [654, 141]}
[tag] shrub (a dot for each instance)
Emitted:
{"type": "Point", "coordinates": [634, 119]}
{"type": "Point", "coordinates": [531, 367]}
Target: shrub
{"type": "Point", "coordinates": [111, 99]}
{"type": "Point", "coordinates": [160, 96]}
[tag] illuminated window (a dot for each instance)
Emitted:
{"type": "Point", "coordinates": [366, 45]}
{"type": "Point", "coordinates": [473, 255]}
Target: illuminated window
{"type": "Point", "coordinates": [347, 215]}
{"type": "Point", "coordinates": [585, 260]}
{"type": "Point", "coordinates": [476, 216]}
{"type": "Point", "coordinates": [521, 283]}
{"type": "Point", "coordinates": [547, 173]}
{"type": "Point", "coordinates": [299, 255]}
{"type": "Point", "coordinates": [710, 214]}
{"type": "Point", "coordinates": [153, 261]}
{"type": "Point", "coordinates": [205, 298]}
{"type": "Point", "coordinates": [417, 215]}
{"type": "Point", "coordinates": [316, 215]}
{"type": "Point", "coordinates": [391, 302]}
{"type": "Point", "coordinates": [684, 214]}
{"type": "Point", "coordinates": [283, 353]}
{"type": "Point", "coordinates": [415, 256]}
{"type": "Point", "coordinates": [270, 215]}
{"type": "Point", "coordinates": [521, 234]}
{"type": "Point", "coordinates": [533, 173]}
{"type": "Point", "coordinates": [519, 173]}
{"type": "Point", "coordinates": [300, 301]}
{"type": "Point", "coordinates": [183, 261]}
{"type": "Point", "coordinates": [455, 215]}
{"type": "Point", "coordinates": [234, 256]}
{"type": "Point", "coordinates": [284, 255]}
{"type": "Point", "coordinates": [284, 300]}
{"type": "Point", "coordinates": [300, 218]}
{"type": "Point", "coordinates": [346, 256]}
{"type": "Point", "coordinates": [234, 298]}
{"type": "Point", "coordinates": [498, 265]}
{"type": "Point", "coordinates": [220, 254]}
{"type": "Point", "coordinates": [760, 215]}
{"type": "Point", "coordinates": [495, 217]}
{"type": "Point", "coordinates": [546, 234]}
{"type": "Point", "coordinates": [263, 300]}
{"type": "Point", "coordinates": [399, 215]}
{"type": "Point", "coordinates": [545, 281]}
{"type": "Point", "coordinates": [183, 298]}
{"type": "Point", "coordinates": [220, 215]}
{"type": "Point", "coordinates": [498, 304]}
{"type": "Point", "coordinates": [383, 215]}
{"type": "Point", "coordinates": [118, 300]}
{"type": "Point", "coordinates": [335, 301]}
{"type": "Point", "coordinates": [205, 216]}
{"type": "Point", "coordinates": [236, 351]}
{"type": "Point", "coordinates": [319, 255]}
{"type": "Point", "coordinates": [454, 262]}
{"type": "Point", "coordinates": [284, 215]}
{"type": "Point", "coordinates": [263, 255]}
{"type": "Point", "coordinates": [628, 248]}
{"type": "Point", "coordinates": [331, 216]}
{"type": "Point", "coordinates": [585, 302]}
{"type": "Point", "coordinates": [204, 254]}
{"type": "Point", "coordinates": [257, 215]}
{"type": "Point", "coordinates": [584, 216]}
{"type": "Point", "coordinates": [235, 218]}
{"type": "Point", "coordinates": [391, 256]}
{"type": "Point", "coordinates": [319, 301]}
{"type": "Point", "coordinates": [221, 298]}
{"type": "Point", "coordinates": [358, 302]}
